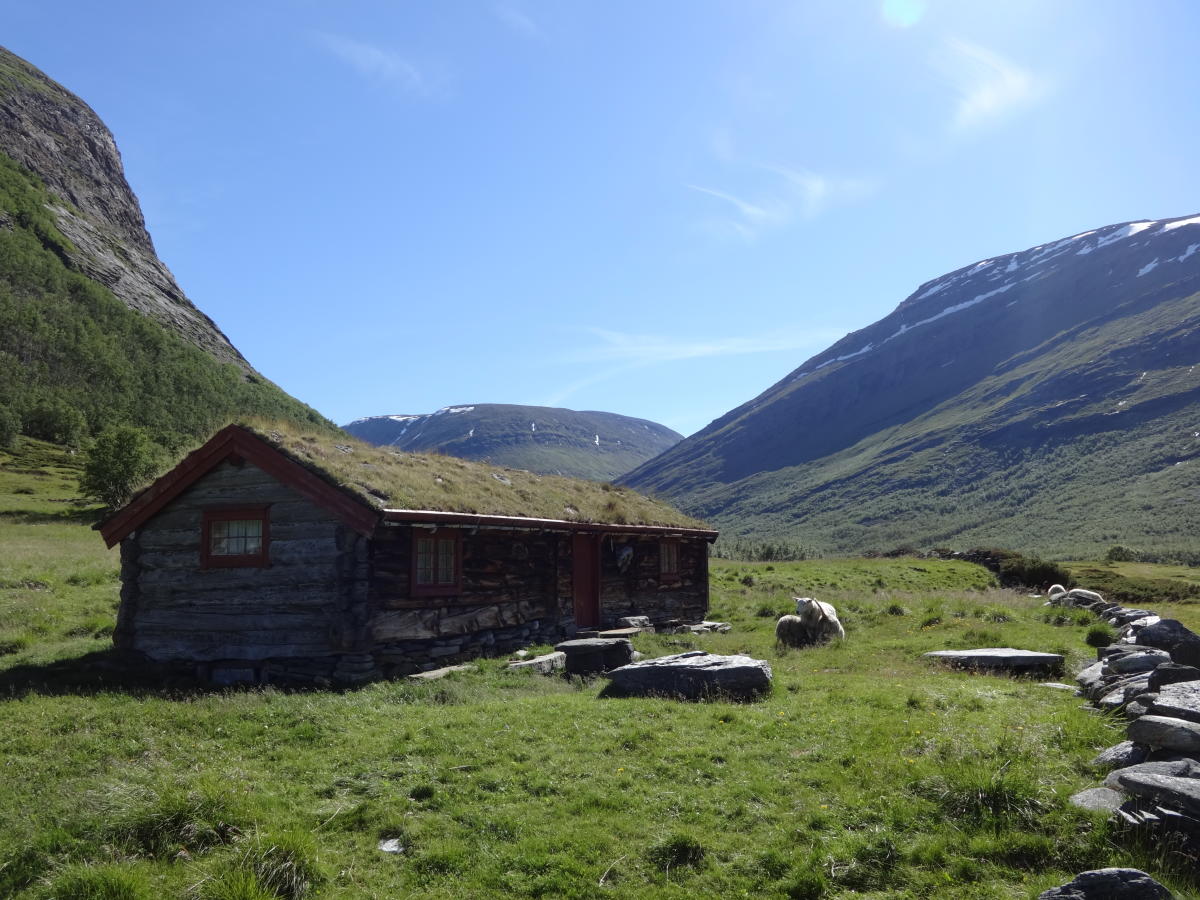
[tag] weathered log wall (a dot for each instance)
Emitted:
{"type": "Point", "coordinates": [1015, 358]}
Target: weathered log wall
{"type": "Point", "coordinates": [510, 598]}
{"type": "Point", "coordinates": [641, 590]}
{"type": "Point", "coordinates": [309, 603]}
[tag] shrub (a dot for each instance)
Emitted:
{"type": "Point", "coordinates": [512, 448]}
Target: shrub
{"type": "Point", "coordinates": [1100, 635]}
{"type": "Point", "coordinates": [1117, 553]}
{"type": "Point", "coordinates": [121, 460]}
{"type": "Point", "coordinates": [1029, 571]}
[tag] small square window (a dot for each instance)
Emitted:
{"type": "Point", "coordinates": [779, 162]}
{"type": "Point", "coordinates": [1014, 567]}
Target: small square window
{"type": "Point", "coordinates": [235, 537]}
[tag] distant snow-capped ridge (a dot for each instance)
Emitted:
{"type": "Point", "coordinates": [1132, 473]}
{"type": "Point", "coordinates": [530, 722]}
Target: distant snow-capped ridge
{"type": "Point", "coordinates": [1000, 274]}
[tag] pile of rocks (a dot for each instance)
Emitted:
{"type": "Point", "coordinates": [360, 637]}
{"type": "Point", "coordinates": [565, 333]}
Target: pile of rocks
{"type": "Point", "coordinates": [1151, 675]}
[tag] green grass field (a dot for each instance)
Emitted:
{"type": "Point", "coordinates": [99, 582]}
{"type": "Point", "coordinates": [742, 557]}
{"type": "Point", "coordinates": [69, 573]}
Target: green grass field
{"type": "Point", "coordinates": [865, 773]}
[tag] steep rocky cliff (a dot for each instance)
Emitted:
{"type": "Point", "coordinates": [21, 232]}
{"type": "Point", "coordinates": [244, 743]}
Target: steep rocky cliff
{"type": "Point", "coordinates": [93, 328]}
{"type": "Point", "coordinates": [56, 136]}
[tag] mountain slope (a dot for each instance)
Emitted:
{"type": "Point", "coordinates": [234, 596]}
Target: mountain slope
{"type": "Point", "coordinates": [92, 325]}
{"type": "Point", "coordinates": [595, 445]}
{"type": "Point", "coordinates": [1039, 399]}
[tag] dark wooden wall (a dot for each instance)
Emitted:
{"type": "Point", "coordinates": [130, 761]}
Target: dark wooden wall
{"type": "Point", "coordinates": [641, 591]}
{"type": "Point", "coordinates": [310, 602]}
{"type": "Point", "coordinates": [508, 579]}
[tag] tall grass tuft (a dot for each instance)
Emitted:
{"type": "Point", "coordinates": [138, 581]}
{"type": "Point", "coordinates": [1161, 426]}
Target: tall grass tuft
{"type": "Point", "coordinates": [166, 818]}
{"type": "Point", "coordinates": [103, 882]}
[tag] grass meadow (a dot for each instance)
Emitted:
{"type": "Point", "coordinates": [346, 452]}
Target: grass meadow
{"type": "Point", "coordinates": [866, 772]}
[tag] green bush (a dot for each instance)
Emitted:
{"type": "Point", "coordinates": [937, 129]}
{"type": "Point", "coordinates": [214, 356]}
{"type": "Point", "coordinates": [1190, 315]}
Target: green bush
{"type": "Point", "coordinates": [121, 460]}
{"type": "Point", "coordinates": [1031, 572]}
{"type": "Point", "coordinates": [1101, 635]}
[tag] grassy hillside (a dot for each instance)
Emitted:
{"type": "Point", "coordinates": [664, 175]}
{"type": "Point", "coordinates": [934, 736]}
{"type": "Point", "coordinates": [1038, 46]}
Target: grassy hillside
{"type": "Point", "coordinates": [71, 353]}
{"type": "Point", "coordinates": [865, 773]}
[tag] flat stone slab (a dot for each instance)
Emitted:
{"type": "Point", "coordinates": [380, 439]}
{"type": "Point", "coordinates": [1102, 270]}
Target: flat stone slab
{"type": "Point", "coordinates": [1136, 661]}
{"type": "Point", "coordinates": [1004, 659]}
{"type": "Point", "coordinates": [435, 674]}
{"type": "Point", "coordinates": [692, 676]}
{"type": "Point", "coordinates": [1109, 884]}
{"type": "Point", "coordinates": [624, 633]}
{"type": "Point", "coordinates": [1181, 767]}
{"type": "Point", "coordinates": [1170, 790]}
{"type": "Point", "coordinates": [1166, 733]}
{"type": "Point", "coordinates": [544, 664]}
{"type": "Point", "coordinates": [1180, 701]}
{"type": "Point", "coordinates": [591, 656]}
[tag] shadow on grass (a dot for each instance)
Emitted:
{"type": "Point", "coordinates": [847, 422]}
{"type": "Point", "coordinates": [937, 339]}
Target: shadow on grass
{"type": "Point", "coordinates": [73, 515]}
{"type": "Point", "coordinates": [104, 671]}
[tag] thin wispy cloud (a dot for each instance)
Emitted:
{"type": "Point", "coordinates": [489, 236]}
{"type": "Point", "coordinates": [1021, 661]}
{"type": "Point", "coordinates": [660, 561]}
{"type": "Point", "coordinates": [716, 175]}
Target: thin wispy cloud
{"type": "Point", "coordinates": [377, 63]}
{"type": "Point", "coordinates": [989, 86]}
{"type": "Point", "coordinates": [619, 346]}
{"type": "Point", "coordinates": [791, 194]}
{"type": "Point", "coordinates": [517, 21]}
{"type": "Point", "coordinates": [619, 353]}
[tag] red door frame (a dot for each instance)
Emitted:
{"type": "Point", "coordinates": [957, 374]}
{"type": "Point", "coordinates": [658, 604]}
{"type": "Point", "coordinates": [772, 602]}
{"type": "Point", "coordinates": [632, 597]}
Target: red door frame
{"type": "Point", "coordinates": [585, 579]}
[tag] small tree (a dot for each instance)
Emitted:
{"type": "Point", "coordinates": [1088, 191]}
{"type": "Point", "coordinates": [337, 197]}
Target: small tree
{"type": "Point", "coordinates": [10, 427]}
{"type": "Point", "coordinates": [120, 461]}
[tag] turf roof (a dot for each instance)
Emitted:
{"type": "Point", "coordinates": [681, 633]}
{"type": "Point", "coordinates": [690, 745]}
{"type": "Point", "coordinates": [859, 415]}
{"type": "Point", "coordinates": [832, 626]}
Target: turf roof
{"type": "Point", "coordinates": [390, 479]}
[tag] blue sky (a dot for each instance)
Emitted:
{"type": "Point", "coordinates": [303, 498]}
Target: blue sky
{"type": "Point", "coordinates": [652, 208]}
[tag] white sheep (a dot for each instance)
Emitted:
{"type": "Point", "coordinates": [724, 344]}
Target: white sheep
{"type": "Point", "coordinates": [814, 623]}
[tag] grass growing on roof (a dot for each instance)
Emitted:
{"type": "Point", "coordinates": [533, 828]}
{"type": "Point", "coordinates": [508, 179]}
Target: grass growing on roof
{"type": "Point", "coordinates": [428, 481]}
{"type": "Point", "coordinates": [867, 772]}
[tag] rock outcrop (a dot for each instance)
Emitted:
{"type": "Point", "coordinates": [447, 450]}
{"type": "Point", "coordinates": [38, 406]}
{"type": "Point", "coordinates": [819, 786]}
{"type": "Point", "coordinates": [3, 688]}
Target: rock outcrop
{"type": "Point", "coordinates": [56, 136]}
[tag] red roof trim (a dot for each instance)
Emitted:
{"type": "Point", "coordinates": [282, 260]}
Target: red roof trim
{"type": "Point", "coordinates": [434, 517]}
{"type": "Point", "coordinates": [233, 440]}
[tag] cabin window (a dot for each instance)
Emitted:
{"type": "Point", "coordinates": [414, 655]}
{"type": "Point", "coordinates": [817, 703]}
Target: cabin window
{"type": "Point", "coordinates": [235, 537]}
{"type": "Point", "coordinates": [668, 560]}
{"type": "Point", "coordinates": [437, 562]}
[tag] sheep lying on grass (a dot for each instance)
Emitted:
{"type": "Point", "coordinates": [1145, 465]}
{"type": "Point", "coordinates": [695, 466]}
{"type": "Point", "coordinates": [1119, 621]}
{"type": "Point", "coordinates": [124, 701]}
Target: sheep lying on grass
{"type": "Point", "coordinates": [814, 623]}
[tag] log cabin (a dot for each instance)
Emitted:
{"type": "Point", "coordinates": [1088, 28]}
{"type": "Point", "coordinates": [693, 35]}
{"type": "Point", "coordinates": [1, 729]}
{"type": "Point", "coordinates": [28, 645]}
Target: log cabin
{"type": "Point", "coordinates": [270, 556]}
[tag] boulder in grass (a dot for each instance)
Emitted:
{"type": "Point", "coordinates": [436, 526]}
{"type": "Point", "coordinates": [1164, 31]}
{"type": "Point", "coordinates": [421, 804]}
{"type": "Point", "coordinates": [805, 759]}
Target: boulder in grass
{"type": "Point", "coordinates": [1001, 659]}
{"type": "Point", "coordinates": [1126, 753]}
{"type": "Point", "coordinates": [1098, 799]}
{"type": "Point", "coordinates": [693, 676]}
{"type": "Point", "coordinates": [1109, 884]}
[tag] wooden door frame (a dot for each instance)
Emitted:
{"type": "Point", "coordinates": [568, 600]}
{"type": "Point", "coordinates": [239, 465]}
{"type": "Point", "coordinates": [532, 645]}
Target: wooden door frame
{"type": "Point", "coordinates": [585, 579]}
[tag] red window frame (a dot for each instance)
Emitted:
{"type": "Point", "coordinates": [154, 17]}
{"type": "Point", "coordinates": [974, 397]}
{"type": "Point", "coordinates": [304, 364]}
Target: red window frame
{"type": "Point", "coordinates": [442, 549]}
{"type": "Point", "coordinates": [210, 560]}
{"type": "Point", "coordinates": [668, 560]}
